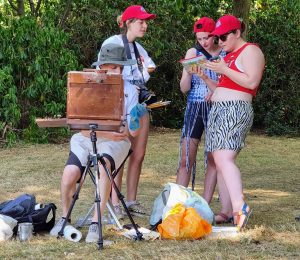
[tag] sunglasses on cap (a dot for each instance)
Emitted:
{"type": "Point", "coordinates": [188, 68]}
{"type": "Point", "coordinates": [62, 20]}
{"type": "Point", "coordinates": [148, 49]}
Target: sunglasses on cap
{"type": "Point", "coordinates": [224, 36]}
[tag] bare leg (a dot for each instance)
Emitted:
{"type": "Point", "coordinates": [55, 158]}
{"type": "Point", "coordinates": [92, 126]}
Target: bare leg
{"type": "Point", "coordinates": [183, 176]}
{"type": "Point", "coordinates": [210, 180]}
{"type": "Point", "coordinates": [225, 162]}
{"type": "Point", "coordinates": [105, 188]}
{"type": "Point", "coordinates": [69, 179]}
{"type": "Point", "coordinates": [118, 181]}
{"type": "Point", "coordinates": [136, 159]}
{"type": "Point", "coordinates": [226, 207]}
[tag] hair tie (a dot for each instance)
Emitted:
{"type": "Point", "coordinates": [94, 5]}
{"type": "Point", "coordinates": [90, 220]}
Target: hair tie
{"type": "Point", "coordinates": [121, 24]}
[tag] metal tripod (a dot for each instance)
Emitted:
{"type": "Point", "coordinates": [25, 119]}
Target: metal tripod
{"type": "Point", "coordinates": [85, 220]}
{"type": "Point", "coordinates": [94, 159]}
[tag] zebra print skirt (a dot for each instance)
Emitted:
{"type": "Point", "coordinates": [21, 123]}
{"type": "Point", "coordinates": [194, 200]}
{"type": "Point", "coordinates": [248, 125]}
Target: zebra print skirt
{"type": "Point", "coordinates": [228, 124]}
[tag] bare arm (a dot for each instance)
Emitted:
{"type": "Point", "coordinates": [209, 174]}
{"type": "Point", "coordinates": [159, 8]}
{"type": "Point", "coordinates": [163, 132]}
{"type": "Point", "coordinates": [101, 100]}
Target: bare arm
{"type": "Point", "coordinates": [186, 78]}
{"type": "Point", "coordinates": [252, 61]}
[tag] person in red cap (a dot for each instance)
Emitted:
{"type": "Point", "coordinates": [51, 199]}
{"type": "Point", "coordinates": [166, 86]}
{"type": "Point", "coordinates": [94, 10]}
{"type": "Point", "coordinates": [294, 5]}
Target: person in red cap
{"type": "Point", "coordinates": [196, 114]}
{"type": "Point", "coordinates": [133, 23]}
{"type": "Point", "coordinates": [231, 116]}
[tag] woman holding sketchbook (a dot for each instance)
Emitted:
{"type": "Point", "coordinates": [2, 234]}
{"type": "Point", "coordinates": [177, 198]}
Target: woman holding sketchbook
{"type": "Point", "coordinates": [198, 107]}
{"type": "Point", "coordinates": [231, 115]}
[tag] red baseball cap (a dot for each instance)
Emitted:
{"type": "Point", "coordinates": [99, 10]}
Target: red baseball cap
{"type": "Point", "coordinates": [225, 24]}
{"type": "Point", "coordinates": [204, 24]}
{"type": "Point", "coordinates": [137, 12]}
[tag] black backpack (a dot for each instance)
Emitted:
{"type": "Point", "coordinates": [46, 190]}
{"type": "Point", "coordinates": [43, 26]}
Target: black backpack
{"type": "Point", "coordinates": [23, 210]}
{"type": "Point", "coordinates": [19, 207]}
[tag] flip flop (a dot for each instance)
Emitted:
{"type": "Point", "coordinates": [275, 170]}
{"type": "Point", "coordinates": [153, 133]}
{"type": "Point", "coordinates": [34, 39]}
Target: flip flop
{"type": "Point", "coordinates": [242, 212]}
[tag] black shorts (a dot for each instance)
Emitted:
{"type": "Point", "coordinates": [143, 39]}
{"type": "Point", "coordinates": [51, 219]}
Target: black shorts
{"type": "Point", "coordinates": [195, 119]}
{"type": "Point", "coordinates": [73, 160]}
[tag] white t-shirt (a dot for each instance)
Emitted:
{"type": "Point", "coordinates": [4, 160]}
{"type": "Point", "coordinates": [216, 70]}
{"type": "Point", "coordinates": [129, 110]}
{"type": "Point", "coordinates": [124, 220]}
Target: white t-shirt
{"type": "Point", "coordinates": [130, 99]}
{"type": "Point", "coordinates": [132, 73]}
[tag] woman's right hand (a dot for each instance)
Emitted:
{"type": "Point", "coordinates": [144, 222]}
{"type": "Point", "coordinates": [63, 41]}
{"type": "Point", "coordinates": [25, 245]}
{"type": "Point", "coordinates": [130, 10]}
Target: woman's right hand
{"type": "Point", "coordinates": [198, 71]}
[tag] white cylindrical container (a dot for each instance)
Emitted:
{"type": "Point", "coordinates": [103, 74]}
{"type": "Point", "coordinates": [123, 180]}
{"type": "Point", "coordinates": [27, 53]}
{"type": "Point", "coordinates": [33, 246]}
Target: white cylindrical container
{"type": "Point", "coordinates": [72, 234]}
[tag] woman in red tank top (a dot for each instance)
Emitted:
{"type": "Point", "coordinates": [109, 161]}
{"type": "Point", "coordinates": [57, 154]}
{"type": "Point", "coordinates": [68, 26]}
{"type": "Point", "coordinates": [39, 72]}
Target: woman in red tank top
{"type": "Point", "coordinates": [231, 115]}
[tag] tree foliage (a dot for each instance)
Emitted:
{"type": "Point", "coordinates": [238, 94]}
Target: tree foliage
{"type": "Point", "coordinates": [275, 27]}
{"type": "Point", "coordinates": [42, 40]}
{"type": "Point", "coordinates": [34, 60]}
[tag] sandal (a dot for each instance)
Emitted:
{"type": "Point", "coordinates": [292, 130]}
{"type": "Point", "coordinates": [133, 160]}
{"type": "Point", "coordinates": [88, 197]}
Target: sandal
{"type": "Point", "coordinates": [223, 218]}
{"type": "Point", "coordinates": [241, 223]}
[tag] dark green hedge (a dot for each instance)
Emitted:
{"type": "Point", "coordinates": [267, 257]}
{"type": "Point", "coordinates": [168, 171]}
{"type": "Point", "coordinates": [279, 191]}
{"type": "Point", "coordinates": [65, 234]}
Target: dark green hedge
{"type": "Point", "coordinates": [34, 60]}
{"type": "Point", "coordinates": [275, 27]}
{"type": "Point", "coordinates": [37, 52]}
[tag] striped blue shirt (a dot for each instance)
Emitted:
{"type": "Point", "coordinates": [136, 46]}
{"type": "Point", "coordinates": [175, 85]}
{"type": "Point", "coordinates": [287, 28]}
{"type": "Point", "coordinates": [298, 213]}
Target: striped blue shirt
{"type": "Point", "coordinates": [199, 89]}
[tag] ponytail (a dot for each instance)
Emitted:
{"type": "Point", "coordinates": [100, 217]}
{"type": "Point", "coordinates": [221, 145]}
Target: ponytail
{"type": "Point", "coordinates": [243, 27]}
{"type": "Point", "coordinates": [121, 24]}
{"type": "Point", "coordinates": [119, 21]}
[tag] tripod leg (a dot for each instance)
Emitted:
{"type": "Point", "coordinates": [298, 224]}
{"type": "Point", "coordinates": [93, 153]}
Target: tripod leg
{"type": "Point", "coordinates": [139, 235]}
{"type": "Point", "coordinates": [193, 180]}
{"type": "Point", "coordinates": [75, 197]}
{"type": "Point", "coordinates": [108, 205]}
{"type": "Point", "coordinates": [80, 223]}
{"type": "Point", "coordinates": [113, 215]}
{"type": "Point", "coordinates": [97, 200]}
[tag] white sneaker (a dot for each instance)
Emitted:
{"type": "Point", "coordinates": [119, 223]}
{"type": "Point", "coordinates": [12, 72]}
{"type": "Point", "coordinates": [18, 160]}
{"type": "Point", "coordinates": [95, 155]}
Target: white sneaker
{"type": "Point", "coordinates": [93, 236]}
{"type": "Point", "coordinates": [118, 212]}
{"type": "Point", "coordinates": [54, 231]}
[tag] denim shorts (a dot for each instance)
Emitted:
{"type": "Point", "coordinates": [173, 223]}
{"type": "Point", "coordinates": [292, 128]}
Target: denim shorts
{"type": "Point", "coordinates": [195, 119]}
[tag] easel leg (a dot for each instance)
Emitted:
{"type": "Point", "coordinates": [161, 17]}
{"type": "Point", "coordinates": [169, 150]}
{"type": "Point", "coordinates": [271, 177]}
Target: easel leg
{"type": "Point", "coordinates": [97, 200]}
{"type": "Point", "coordinates": [112, 213]}
{"type": "Point", "coordinates": [139, 235]}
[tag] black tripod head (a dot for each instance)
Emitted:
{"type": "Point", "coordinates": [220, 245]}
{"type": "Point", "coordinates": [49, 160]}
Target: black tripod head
{"type": "Point", "coordinates": [93, 126]}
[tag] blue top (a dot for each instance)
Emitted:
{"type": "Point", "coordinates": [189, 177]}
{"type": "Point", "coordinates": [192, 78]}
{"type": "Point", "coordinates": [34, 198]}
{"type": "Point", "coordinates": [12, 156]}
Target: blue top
{"type": "Point", "coordinates": [199, 89]}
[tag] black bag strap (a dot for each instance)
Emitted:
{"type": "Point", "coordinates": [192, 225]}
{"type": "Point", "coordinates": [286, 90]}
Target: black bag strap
{"type": "Point", "coordinates": [51, 222]}
{"type": "Point", "coordinates": [136, 53]}
{"type": "Point", "coordinates": [199, 47]}
{"type": "Point", "coordinates": [126, 46]}
{"type": "Point", "coordinates": [138, 58]}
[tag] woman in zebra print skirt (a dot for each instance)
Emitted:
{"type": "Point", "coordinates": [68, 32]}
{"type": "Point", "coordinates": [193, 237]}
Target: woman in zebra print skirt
{"type": "Point", "coordinates": [231, 115]}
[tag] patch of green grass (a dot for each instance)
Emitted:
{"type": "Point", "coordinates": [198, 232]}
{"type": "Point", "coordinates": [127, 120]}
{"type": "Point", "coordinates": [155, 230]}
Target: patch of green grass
{"type": "Point", "coordinates": [271, 175]}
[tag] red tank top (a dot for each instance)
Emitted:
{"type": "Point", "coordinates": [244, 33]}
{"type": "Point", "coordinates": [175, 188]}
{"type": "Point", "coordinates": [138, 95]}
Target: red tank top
{"type": "Point", "coordinates": [226, 82]}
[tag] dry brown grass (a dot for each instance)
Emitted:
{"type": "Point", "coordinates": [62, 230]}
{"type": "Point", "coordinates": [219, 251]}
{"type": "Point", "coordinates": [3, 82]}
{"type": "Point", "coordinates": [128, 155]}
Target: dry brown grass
{"type": "Point", "coordinates": [270, 168]}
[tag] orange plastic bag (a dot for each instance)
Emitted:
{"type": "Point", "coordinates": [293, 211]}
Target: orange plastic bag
{"type": "Point", "coordinates": [183, 223]}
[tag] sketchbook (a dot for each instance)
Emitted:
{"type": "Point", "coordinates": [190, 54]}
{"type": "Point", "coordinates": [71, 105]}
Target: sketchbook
{"type": "Point", "coordinates": [199, 60]}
